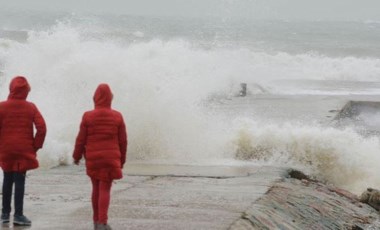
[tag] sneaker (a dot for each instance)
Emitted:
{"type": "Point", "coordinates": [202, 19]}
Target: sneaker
{"type": "Point", "coordinates": [21, 220]}
{"type": "Point", "coordinates": [5, 218]}
{"type": "Point", "coordinates": [103, 227]}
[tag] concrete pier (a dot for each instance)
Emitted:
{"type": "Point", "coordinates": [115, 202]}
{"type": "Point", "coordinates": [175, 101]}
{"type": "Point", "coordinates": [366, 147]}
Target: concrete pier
{"type": "Point", "coordinates": [172, 197]}
{"type": "Point", "coordinates": [161, 197]}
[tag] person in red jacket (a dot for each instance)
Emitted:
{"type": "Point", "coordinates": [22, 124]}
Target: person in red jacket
{"type": "Point", "coordinates": [102, 141]}
{"type": "Point", "coordinates": [18, 146]}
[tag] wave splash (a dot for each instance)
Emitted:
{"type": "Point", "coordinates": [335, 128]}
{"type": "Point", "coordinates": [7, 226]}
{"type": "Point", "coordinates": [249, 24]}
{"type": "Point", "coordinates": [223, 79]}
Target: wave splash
{"type": "Point", "coordinates": [341, 157]}
{"type": "Point", "coordinates": [162, 89]}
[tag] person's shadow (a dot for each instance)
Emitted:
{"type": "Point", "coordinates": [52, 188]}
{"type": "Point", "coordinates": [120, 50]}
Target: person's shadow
{"type": "Point", "coordinates": [14, 227]}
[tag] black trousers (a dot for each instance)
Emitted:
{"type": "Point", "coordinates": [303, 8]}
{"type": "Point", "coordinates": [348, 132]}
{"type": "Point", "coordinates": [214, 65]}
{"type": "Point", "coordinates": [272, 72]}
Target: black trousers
{"type": "Point", "coordinates": [18, 179]}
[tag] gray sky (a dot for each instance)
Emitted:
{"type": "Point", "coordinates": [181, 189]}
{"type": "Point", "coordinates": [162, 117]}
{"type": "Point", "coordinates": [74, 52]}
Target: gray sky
{"type": "Point", "coordinates": [267, 9]}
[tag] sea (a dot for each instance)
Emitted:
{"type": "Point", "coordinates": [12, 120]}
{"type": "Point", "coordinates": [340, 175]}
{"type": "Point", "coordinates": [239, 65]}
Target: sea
{"type": "Point", "coordinates": [178, 83]}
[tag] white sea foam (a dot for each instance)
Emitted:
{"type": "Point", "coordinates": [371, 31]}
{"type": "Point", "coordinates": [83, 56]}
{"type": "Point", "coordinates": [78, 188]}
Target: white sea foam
{"type": "Point", "coordinates": [162, 87]}
{"type": "Point", "coordinates": [138, 34]}
{"type": "Point", "coordinates": [341, 157]}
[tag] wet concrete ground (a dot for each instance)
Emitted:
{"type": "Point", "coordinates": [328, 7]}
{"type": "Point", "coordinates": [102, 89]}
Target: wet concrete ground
{"type": "Point", "coordinates": [191, 197]}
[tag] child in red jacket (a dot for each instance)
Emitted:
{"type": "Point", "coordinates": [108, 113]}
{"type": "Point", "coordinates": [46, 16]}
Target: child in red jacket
{"type": "Point", "coordinates": [102, 141]}
{"type": "Point", "coordinates": [18, 146]}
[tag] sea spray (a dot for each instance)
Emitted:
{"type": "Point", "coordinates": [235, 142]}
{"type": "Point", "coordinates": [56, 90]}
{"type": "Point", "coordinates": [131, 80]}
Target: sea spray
{"type": "Point", "coordinates": [341, 157]}
{"type": "Point", "coordinates": [163, 90]}
{"type": "Point", "coordinates": [154, 86]}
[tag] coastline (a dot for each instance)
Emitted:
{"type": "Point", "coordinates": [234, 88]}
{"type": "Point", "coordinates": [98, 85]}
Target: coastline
{"type": "Point", "coordinates": [307, 204]}
{"type": "Point", "coordinates": [59, 198]}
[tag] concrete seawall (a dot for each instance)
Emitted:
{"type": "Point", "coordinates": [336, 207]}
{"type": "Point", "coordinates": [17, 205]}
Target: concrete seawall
{"type": "Point", "coordinates": [60, 198]}
{"type": "Point", "coordinates": [178, 197]}
{"type": "Point", "coordinates": [295, 204]}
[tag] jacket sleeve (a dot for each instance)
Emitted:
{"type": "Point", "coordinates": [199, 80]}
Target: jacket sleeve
{"type": "Point", "coordinates": [40, 125]}
{"type": "Point", "coordinates": [80, 143]}
{"type": "Point", "coordinates": [123, 141]}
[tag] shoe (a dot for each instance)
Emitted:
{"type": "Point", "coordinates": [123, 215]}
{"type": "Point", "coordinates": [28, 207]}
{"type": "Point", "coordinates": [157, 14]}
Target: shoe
{"type": "Point", "coordinates": [5, 218]}
{"type": "Point", "coordinates": [103, 227]}
{"type": "Point", "coordinates": [21, 221]}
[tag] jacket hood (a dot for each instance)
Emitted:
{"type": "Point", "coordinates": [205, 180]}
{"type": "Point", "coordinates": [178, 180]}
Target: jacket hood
{"type": "Point", "coordinates": [19, 88]}
{"type": "Point", "coordinates": [103, 96]}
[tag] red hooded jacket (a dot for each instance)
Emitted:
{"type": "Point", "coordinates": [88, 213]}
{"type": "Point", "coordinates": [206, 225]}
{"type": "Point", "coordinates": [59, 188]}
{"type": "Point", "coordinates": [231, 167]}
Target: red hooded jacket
{"type": "Point", "coordinates": [102, 138]}
{"type": "Point", "coordinates": [18, 144]}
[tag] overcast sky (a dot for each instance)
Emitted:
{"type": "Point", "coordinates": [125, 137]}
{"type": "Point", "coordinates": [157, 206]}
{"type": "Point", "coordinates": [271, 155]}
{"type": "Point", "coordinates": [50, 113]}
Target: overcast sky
{"type": "Point", "coordinates": [267, 9]}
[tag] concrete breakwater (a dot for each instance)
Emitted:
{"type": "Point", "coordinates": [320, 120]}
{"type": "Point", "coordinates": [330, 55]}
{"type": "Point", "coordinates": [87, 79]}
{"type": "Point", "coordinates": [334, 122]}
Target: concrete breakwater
{"type": "Point", "coordinates": [362, 115]}
{"type": "Point", "coordinates": [306, 204]}
{"type": "Point", "coordinates": [189, 197]}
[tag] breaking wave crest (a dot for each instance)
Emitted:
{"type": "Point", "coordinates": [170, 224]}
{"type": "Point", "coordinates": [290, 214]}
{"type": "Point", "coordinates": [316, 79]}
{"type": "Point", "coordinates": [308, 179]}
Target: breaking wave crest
{"type": "Point", "coordinates": [341, 157]}
{"type": "Point", "coordinates": [162, 90]}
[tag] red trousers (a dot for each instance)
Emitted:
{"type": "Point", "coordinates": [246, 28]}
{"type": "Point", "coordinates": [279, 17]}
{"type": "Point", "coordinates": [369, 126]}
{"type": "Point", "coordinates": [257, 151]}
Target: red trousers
{"type": "Point", "coordinates": [101, 195]}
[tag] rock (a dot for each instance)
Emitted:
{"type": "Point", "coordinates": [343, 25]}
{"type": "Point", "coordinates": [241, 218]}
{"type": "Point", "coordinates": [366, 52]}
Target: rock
{"type": "Point", "coordinates": [371, 197]}
{"type": "Point", "coordinates": [298, 175]}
